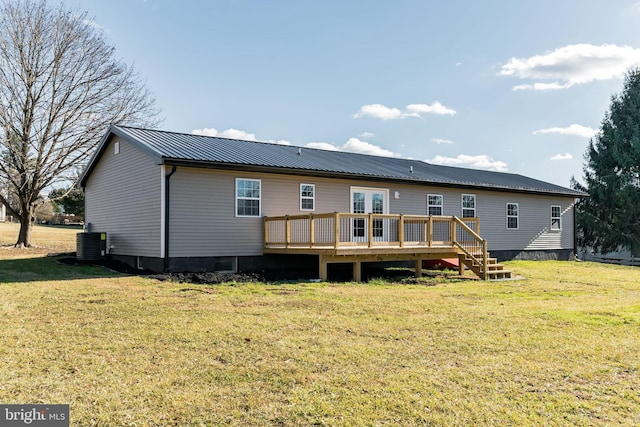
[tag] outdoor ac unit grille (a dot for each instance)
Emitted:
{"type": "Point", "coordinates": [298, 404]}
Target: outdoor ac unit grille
{"type": "Point", "coordinates": [91, 246]}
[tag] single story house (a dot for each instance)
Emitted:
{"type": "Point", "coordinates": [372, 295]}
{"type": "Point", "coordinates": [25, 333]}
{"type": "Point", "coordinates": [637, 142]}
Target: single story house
{"type": "Point", "coordinates": [181, 202]}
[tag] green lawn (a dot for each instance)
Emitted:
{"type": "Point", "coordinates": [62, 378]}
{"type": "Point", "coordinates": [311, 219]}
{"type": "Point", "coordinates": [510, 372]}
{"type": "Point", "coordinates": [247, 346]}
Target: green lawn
{"type": "Point", "coordinates": [559, 348]}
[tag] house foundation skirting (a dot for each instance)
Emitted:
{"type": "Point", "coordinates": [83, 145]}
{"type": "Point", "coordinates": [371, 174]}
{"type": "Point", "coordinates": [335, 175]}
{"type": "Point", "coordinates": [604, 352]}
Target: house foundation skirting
{"type": "Point", "coordinates": [246, 264]}
{"type": "Point", "coordinates": [537, 255]}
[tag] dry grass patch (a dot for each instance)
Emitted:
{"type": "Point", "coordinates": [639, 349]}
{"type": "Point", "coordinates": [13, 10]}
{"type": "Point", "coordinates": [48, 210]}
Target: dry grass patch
{"type": "Point", "coordinates": [46, 239]}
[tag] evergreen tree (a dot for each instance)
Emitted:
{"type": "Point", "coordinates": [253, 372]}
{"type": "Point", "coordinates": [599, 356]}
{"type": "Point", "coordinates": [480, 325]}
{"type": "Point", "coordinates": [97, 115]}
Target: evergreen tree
{"type": "Point", "coordinates": [71, 200]}
{"type": "Point", "coordinates": [610, 218]}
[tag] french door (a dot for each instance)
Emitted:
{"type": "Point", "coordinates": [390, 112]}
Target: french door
{"type": "Point", "coordinates": [366, 201]}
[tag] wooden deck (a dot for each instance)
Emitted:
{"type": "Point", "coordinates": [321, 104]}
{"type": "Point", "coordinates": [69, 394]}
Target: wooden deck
{"type": "Point", "coordinates": [357, 238]}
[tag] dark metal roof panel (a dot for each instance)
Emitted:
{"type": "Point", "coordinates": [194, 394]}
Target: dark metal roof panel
{"type": "Point", "coordinates": [171, 146]}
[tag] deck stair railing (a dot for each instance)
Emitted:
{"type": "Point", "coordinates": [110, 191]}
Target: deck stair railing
{"type": "Point", "coordinates": [475, 248]}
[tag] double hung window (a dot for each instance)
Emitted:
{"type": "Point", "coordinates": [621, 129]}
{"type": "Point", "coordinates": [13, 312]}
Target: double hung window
{"type": "Point", "coordinates": [513, 216]}
{"type": "Point", "coordinates": [307, 197]}
{"type": "Point", "coordinates": [468, 206]}
{"type": "Point", "coordinates": [435, 203]}
{"type": "Point", "coordinates": [247, 197]}
{"type": "Point", "coordinates": [556, 220]}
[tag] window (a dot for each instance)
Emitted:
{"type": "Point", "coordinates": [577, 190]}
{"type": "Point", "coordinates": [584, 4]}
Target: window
{"type": "Point", "coordinates": [307, 197]}
{"type": "Point", "coordinates": [247, 197]}
{"type": "Point", "coordinates": [512, 216]}
{"type": "Point", "coordinates": [358, 199]}
{"type": "Point", "coordinates": [377, 207]}
{"type": "Point", "coordinates": [468, 206]}
{"type": "Point", "coordinates": [556, 223]}
{"type": "Point", "coordinates": [434, 204]}
{"type": "Point", "coordinates": [116, 147]}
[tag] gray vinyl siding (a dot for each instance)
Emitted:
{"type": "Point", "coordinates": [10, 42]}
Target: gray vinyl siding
{"type": "Point", "coordinates": [123, 198]}
{"type": "Point", "coordinates": [534, 222]}
{"type": "Point", "coordinates": [203, 220]}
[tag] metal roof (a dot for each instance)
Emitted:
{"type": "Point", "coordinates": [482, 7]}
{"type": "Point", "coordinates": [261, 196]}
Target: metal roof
{"type": "Point", "coordinates": [173, 148]}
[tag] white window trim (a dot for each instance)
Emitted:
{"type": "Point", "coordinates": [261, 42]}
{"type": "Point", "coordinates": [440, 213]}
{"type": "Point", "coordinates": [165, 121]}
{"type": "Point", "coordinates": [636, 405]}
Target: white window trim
{"type": "Point", "coordinates": [559, 218]}
{"type": "Point", "coordinates": [435, 206]}
{"type": "Point", "coordinates": [517, 217]}
{"type": "Point", "coordinates": [248, 198]}
{"type": "Point", "coordinates": [116, 147]}
{"type": "Point", "coordinates": [313, 198]}
{"type": "Point", "coordinates": [475, 200]}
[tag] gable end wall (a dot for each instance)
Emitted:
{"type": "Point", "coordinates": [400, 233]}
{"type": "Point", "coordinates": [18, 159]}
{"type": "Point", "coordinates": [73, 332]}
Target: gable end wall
{"type": "Point", "coordinates": [123, 198]}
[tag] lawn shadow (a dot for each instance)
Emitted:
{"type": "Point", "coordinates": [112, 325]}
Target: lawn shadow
{"type": "Point", "coordinates": [48, 268]}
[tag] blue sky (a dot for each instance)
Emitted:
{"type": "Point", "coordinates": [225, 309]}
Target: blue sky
{"type": "Point", "coordinates": [510, 86]}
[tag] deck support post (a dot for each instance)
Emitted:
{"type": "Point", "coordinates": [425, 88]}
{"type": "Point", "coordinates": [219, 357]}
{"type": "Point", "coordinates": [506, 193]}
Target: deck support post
{"type": "Point", "coordinates": [357, 271]}
{"type": "Point", "coordinates": [322, 268]}
{"type": "Point", "coordinates": [418, 267]}
{"type": "Point", "coordinates": [461, 265]}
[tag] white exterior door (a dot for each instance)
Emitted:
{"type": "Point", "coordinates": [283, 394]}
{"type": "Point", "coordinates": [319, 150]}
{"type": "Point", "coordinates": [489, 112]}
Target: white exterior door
{"type": "Point", "coordinates": [368, 201]}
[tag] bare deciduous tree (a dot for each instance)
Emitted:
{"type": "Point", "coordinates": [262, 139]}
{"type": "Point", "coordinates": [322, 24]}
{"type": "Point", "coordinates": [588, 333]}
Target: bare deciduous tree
{"type": "Point", "coordinates": [60, 87]}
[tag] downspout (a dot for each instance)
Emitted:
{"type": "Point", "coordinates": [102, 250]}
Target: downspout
{"type": "Point", "coordinates": [166, 217]}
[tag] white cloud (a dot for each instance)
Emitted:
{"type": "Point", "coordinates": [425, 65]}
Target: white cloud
{"type": "Point", "coordinates": [415, 110]}
{"type": "Point", "coordinates": [383, 112]}
{"type": "Point", "coordinates": [205, 132]}
{"type": "Point", "coordinates": [367, 135]}
{"type": "Point", "coordinates": [574, 129]}
{"type": "Point", "coordinates": [571, 65]}
{"type": "Point", "coordinates": [565, 156]}
{"type": "Point", "coordinates": [232, 133]}
{"type": "Point", "coordinates": [237, 134]}
{"type": "Point", "coordinates": [354, 145]}
{"type": "Point", "coordinates": [441, 141]}
{"type": "Point", "coordinates": [323, 146]}
{"type": "Point", "coordinates": [542, 86]}
{"type": "Point", "coordinates": [378, 111]}
{"type": "Point", "coordinates": [481, 161]}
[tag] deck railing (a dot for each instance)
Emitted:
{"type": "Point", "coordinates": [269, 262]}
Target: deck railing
{"type": "Point", "coordinates": [336, 230]}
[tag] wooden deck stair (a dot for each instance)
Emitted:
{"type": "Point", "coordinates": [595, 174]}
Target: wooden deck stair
{"type": "Point", "coordinates": [494, 270]}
